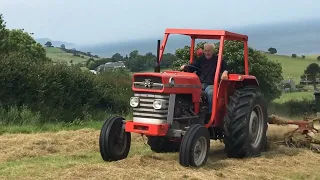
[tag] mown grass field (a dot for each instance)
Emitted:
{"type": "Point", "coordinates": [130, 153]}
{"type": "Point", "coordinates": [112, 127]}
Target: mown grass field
{"type": "Point", "coordinates": [75, 155]}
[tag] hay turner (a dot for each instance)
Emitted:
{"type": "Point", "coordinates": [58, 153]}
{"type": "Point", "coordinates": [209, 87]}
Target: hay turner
{"type": "Point", "coordinates": [304, 136]}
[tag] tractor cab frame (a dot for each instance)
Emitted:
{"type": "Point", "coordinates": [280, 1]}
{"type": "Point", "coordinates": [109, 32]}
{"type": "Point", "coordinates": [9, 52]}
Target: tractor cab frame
{"type": "Point", "coordinates": [221, 35]}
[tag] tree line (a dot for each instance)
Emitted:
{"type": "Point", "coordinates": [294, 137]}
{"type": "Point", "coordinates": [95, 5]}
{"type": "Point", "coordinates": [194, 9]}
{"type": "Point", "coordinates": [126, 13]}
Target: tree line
{"type": "Point", "coordinates": [135, 62]}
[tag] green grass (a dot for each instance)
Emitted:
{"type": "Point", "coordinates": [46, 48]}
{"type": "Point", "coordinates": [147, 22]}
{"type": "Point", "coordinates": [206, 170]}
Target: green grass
{"type": "Point", "coordinates": [292, 67]}
{"type": "Point", "coordinates": [57, 55]}
{"type": "Point", "coordinates": [313, 56]}
{"type": "Point", "coordinates": [294, 96]}
{"type": "Point", "coordinates": [49, 127]}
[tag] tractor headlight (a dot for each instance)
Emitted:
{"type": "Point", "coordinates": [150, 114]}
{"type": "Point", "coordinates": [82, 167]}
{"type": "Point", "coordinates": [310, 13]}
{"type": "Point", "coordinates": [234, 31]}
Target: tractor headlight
{"type": "Point", "coordinates": [134, 101]}
{"type": "Point", "coordinates": [159, 104]}
{"type": "Point", "coordinates": [171, 82]}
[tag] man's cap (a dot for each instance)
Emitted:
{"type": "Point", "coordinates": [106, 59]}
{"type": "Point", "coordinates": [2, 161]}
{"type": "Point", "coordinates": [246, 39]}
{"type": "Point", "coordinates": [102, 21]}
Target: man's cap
{"type": "Point", "coordinates": [199, 52]}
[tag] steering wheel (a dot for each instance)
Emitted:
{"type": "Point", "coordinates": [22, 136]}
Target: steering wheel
{"type": "Point", "coordinates": [189, 65]}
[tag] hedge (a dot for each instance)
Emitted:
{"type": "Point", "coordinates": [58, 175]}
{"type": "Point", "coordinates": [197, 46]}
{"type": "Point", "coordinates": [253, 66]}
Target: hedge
{"type": "Point", "coordinates": [60, 92]}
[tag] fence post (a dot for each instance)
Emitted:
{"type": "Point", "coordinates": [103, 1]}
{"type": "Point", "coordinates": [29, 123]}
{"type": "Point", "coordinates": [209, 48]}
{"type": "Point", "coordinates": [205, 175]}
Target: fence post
{"type": "Point", "coordinates": [317, 102]}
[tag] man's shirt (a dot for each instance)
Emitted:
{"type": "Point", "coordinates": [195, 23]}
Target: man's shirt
{"type": "Point", "coordinates": [208, 68]}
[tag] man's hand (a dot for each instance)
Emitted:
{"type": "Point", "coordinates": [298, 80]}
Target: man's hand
{"type": "Point", "coordinates": [224, 75]}
{"type": "Point", "coordinates": [182, 67]}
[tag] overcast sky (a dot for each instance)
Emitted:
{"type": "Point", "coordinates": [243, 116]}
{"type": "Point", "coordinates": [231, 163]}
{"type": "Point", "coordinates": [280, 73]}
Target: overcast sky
{"type": "Point", "coordinates": [95, 21]}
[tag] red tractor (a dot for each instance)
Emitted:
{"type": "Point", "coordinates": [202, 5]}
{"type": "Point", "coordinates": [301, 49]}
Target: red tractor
{"type": "Point", "coordinates": [170, 108]}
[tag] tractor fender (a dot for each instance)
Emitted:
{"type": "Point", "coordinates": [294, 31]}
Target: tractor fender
{"type": "Point", "coordinates": [244, 79]}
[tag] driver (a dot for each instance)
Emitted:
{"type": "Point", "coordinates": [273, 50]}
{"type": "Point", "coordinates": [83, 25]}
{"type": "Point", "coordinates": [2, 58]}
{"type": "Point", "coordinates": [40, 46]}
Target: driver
{"type": "Point", "coordinates": [207, 65]}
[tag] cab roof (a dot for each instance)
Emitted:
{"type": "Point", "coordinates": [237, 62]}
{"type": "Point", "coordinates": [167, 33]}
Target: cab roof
{"type": "Point", "coordinates": [208, 34]}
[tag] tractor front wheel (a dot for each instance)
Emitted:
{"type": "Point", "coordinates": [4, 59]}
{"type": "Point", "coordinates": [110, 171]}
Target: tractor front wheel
{"type": "Point", "coordinates": [245, 124]}
{"type": "Point", "coordinates": [195, 146]}
{"type": "Point", "coordinates": [114, 142]}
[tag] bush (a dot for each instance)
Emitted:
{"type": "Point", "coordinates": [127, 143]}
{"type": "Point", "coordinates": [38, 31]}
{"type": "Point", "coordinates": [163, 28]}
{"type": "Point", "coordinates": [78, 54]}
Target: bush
{"type": "Point", "coordinates": [318, 58]}
{"type": "Point", "coordinates": [294, 107]}
{"type": "Point", "coordinates": [59, 92]}
{"type": "Point", "coordinates": [303, 56]}
{"type": "Point", "coordinates": [294, 56]}
{"type": "Point", "coordinates": [18, 116]}
{"type": "Point", "coordinates": [300, 86]}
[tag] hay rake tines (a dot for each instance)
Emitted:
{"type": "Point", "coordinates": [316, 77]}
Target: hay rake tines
{"type": "Point", "coordinates": [302, 136]}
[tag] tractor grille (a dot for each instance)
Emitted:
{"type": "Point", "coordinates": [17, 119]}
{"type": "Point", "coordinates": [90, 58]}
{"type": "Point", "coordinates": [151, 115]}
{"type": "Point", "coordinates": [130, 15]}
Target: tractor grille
{"type": "Point", "coordinates": [148, 82]}
{"type": "Point", "coordinates": [145, 110]}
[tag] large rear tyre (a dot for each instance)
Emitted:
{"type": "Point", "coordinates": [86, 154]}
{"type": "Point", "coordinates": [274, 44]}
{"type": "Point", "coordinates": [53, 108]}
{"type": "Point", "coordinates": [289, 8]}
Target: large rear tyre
{"type": "Point", "coordinates": [195, 146]}
{"type": "Point", "coordinates": [162, 144]}
{"type": "Point", "coordinates": [245, 124]}
{"type": "Point", "coordinates": [114, 142]}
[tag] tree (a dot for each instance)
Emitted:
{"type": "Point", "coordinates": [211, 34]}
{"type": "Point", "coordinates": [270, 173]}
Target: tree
{"type": "Point", "coordinates": [63, 46]}
{"type": "Point", "coordinates": [294, 56]}
{"type": "Point", "coordinates": [268, 73]}
{"type": "Point", "coordinates": [17, 43]}
{"type": "Point", "coordinates": [48, 44]}
{"type": "Point", "coordinates": [303, 56]}
{"type": "Point", "coordinates": [313, 70]}
{"type": "Point", "coordinates": [168, 59]}
{"type": "Point", "coordinates": [117, 57]}
{"type": "Point", "coordinates": [133, 54]}
{"type": "Point", "coordinates": [272, 50]}
{"type": "Point", "coordinates": [318, 58]}
{"type": "Point", "coordinates": [4, 33]}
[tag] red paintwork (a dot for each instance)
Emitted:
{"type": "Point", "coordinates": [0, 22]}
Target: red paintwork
{"type": "Point", "coordinates": [146, 129]}
{"type": "Point", "coordinates": [184, 78]}
{"type": "Point", "coordinates": [222, 90]}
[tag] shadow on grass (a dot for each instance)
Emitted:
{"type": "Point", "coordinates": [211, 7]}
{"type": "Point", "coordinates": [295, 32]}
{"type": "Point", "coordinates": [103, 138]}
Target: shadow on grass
{"type": "Point", "coordinates": [218, 159]}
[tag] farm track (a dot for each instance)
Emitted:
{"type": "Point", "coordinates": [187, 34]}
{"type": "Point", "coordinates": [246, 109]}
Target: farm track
{"type": "Point", "coordinates": [75, 155]}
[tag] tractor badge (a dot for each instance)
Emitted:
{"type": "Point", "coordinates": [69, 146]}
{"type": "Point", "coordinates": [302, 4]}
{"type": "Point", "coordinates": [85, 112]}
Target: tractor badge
{"type": "Point", "coordinates": [148, 83]}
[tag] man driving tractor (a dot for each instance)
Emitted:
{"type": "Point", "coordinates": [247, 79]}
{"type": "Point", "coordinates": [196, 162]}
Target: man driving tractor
{"type": "Point", "coordinates": [207, 63]}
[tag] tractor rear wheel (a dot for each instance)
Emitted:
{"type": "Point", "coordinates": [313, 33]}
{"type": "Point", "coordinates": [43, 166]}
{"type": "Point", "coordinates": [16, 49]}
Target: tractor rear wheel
{"type": "Point", "coordinates": [195, 146]}
{"type": "Point", "coordinates": [114, 142]}
{"type": "Point", "coordinates": [245, 124]}
{"type": "Point", "coordinates": [162, 144]}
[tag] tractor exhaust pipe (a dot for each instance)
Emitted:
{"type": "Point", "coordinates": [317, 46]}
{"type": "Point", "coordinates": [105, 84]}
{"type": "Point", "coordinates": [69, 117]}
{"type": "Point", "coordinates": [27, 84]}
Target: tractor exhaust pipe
{"type": "Point", "coordinates": [157, 65]}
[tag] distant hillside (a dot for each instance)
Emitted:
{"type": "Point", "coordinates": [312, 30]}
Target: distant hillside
{"type": "Point", "coordinates": [58, 55]}
{"type": "Point", "coordinates": [292, 67]}
{"type": "Point", "coordinates": [56, 43]}
{"type": "Point", "coordinates": [287, 38]}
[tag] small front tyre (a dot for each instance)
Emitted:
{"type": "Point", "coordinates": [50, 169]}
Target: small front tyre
{"type": "Point", "coordinates": [114, 142]}
{"type": "Point", "coordinates": [195, 146]}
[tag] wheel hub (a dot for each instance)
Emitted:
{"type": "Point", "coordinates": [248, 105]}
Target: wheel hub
{"type": "Point", "coordinates": [256, 126]}
{"type": "Point", "coordinates": [200, 150]}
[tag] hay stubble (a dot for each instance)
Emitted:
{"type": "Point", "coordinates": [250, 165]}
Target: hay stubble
{"type": "Point", "coordinates": [75, 155]}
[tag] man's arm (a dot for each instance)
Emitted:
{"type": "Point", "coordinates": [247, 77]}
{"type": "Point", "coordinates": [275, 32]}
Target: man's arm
{"type": "Point", "coordinates": [224, 70]}
{"type": "Point", "coordinates": [195, 63]}
{"type": "Point", "coordinates": [223, 66]}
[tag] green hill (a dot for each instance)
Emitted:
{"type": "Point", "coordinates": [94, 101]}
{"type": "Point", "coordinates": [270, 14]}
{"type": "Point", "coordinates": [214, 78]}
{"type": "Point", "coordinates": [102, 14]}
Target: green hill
{"type": "Point", "coordinates": [292, 67]}
{"type": "Point", "coordinates": [58, 55]}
